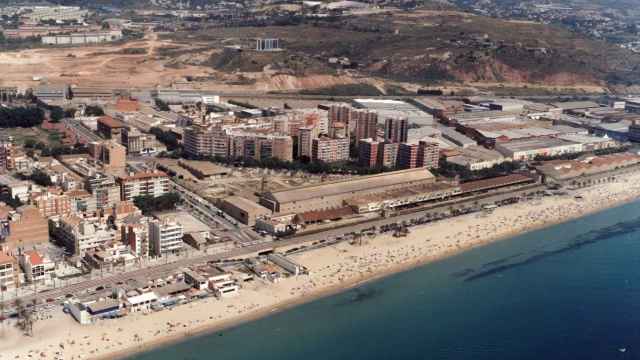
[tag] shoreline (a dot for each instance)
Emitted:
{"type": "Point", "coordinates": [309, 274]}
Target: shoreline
{"type": "Point", "coordinates": [328, 292]}
{"type": "Point", "coordinates": [416, 250]}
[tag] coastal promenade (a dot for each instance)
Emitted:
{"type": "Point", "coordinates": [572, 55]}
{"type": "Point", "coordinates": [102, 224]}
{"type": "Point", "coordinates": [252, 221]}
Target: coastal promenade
{"type": "Point", "coordinates": [332, 268]}
{"type": "Point", "coordinates": [164, 270]}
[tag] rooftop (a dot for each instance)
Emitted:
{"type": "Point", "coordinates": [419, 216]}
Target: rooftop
{"type": "Point", "coordinates": [172, 289]}
{"type": "Point", "coordinates": [4, 258]}
{"type": "Point", "coordinates": [351, 186]}
{"type": "Point", "coordinates": [190, 224]}
{"type": "Point", "coordinates": [535, 143]}
{"type": "Point", "coordinates": [576, 105]}
{"type": "Point", "coordinates": [34, 257]}
{"type": "Point", "coordinates": [245, 204]}
{"type": "Point", "coordinates": [143, 175]}
{"type": "Point", "coordinates": [207, 168]}
{"type": "Point", "coordinates": [584, 139]}
{"type": "Point", "coordinates": [329, 214]}
{"type": "Point", "coordinates": [478, 185]}
{"type": "Point", "coordinates": [100, 306]}
{"type": "Point", "coordinates": [111, 122]}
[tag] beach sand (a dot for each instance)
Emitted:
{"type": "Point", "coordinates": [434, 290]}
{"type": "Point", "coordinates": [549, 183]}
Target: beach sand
{"type": "Point", "coordinates": [332, 269]}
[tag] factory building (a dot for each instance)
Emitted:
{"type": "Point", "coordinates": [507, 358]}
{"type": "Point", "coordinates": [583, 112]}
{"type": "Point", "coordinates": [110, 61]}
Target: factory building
{"type": "Point", "coordinates": [529, 149]}
{"type": "Point", "coordinates": [243, 210]}
{"type": "Point", "coordinates": [476, 158]}
{"type": "Point", "coordinates": [387, 108]}
{"type": "Point", "coordinates": [332, 195]}
{"type": "Point", "coordinates": [586, 167]}
{"type": "Point", "coordinates": [51, 92]}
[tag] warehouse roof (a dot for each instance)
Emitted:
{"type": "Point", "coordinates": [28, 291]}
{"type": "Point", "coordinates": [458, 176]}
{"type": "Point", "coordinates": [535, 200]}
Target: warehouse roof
{"type": "Point", "coordinates": [478, 185]}
{"type": "Point", "coordinates": [111, 122]}
{"type": "Point", "coordinates": [351, 186]}
{"type": "Point", "coordinates": [320, 215]}
{"type": "Point", "coordinates": [576, 105]}
{"type": "Point", "coordinates": [535, 143]}
{"type": "Point", "coordinates": [245, 204]}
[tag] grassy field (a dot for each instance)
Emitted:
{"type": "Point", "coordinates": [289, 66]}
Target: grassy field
{"type": "Point", "coordinates": [20, 135]}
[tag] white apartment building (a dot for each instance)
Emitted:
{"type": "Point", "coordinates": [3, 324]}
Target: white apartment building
{"type": "Point", "coordinates": [155, 183]}
{"type": "Point", "coordinates": [7, 272]}
{"type": "Point", "coordinates": [104, 189]}
{"type": "Point", "coordinates": [36, 267]}
{"type": "Point", "coordinates": [305, 140]}
{"type": "Point", "coordinates": [165, 236]}
{"type": "Point", "coordinates": [57, 13]}
{"type": "Point", "coordinates": [82, 38]}
{"type": "Point", "coordinates": [81, 235]}
{"type": "Point", "coordinates": [136, 236]}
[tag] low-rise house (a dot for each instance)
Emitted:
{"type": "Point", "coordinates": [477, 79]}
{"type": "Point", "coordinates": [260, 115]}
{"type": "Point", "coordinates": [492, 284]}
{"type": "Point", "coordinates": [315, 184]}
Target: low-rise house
{"type": "Point", "coordinates": [141, 302]}
{"type": "Point", "coordinates": [109, 257]}
{"type": "Point", "coordinates": [277, 224]}
{"type": "Point", "coordinates": [286, 263]}
{"type": "Point", "coordinates": [195, 279]}
{"type": "Point", "coordinates": [37, 268]}
{"type": "Point", "coordinates": [8, 272]}
{"type": "Point", "coordinates": [104, 308]}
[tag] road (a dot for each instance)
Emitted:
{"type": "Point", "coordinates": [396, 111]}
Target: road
{"type": "Point", "coordinates": [81, 130]}
{"type": "Point", "coordinates": [211, 215]}
{"type": "Point", "coordinates": [164, 270]}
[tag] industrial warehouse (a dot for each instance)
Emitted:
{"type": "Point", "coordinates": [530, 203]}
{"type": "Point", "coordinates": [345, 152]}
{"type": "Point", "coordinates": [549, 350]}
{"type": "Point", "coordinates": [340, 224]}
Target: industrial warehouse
{"type": "Point", "coordinates": [333, 194]}
{"type": "Point", "coordinates": [334, 200]}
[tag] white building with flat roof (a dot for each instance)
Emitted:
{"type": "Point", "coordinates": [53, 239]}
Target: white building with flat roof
{"type": "Point", "coordinates": [141, 302]}
{"type": "Point", "coordinates": [529, 149]}
{"type": "Point", "coordinates": [165, 236]}
{"type": "Point", "coordinates": [477, 158]}
{"type": "Point", "coordinates": [387, 108]}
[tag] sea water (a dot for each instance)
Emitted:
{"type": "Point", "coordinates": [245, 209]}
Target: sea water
{"type": "Point", "coordinates": [570, 291]}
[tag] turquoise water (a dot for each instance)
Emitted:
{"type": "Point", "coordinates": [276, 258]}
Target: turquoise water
{"type": "Point", "coordinates": [571, 291]}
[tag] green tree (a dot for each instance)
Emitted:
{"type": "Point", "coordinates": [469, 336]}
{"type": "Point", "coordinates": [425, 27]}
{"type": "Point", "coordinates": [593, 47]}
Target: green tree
{"type": "Point", "coordinates": [148, 204]}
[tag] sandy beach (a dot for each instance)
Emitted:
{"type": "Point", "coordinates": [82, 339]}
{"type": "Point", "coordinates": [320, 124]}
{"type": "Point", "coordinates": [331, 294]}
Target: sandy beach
{"type": "Point", "coordinates": [332, 270]}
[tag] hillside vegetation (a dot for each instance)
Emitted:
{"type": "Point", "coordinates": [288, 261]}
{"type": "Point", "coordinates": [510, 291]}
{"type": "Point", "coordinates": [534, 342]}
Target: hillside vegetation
{"type": "Point", "coordinates": [432, 47]}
